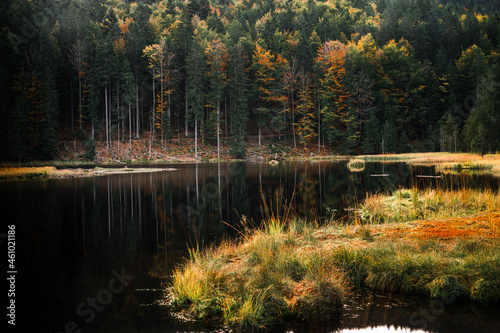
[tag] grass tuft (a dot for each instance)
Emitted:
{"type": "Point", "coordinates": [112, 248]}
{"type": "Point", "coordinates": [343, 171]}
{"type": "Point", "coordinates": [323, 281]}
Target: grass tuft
{"type": "Point", "coordinates": [289, 269]}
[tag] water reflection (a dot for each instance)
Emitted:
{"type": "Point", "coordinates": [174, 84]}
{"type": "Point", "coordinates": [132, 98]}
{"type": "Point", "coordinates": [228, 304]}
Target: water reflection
{"type": "Point", "coordinates": [72, 233]}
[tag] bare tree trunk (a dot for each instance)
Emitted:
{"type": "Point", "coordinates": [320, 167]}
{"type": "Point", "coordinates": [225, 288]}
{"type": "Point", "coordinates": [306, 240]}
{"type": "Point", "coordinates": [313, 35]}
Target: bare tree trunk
{"type": "Point", "coordinates": [319, 127]}
{"type": "Point", "coordinates": [293, 124]}
{"type": "Point", "coordinates": [136, 108]}
{"type": "Point", "coordinates": [225, 109]}
{"type": "Point", "coordinates": [218, 129]}
{"type": "Point", "coordinates": [186, 103]}
{"type": "Point", "coordinates": [118, 141]}
{"type": "Point", "coordinates": [168, 113]}
{"type": "Point", "coordinates": [107, 128]}
{"type": "Point", "coordinates": [80, 106]}
{"type": "Point", "coordinates": [72, 107]}
{"type": "Point", "coordinates": [130, 128]}
{"type": "Point", "coordinates": [196, 138]}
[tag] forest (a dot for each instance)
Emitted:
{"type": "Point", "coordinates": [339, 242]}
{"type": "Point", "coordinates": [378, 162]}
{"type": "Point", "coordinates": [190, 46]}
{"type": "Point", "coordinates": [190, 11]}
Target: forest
{"type": "Point", "coordinates": [360, 76]}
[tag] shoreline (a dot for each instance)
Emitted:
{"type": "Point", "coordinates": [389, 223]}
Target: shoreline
{"type": "Point", "coordinates": [78, 168]}
{"type": "Point", "coordinates": [51, 172]}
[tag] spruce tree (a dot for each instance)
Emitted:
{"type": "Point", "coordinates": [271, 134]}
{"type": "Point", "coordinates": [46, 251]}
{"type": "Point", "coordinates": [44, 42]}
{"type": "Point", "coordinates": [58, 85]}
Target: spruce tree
{"type": "Point", "coordinates": [238, 109]}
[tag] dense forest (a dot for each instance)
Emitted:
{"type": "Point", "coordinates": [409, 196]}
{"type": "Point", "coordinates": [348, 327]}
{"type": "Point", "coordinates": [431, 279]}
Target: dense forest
{"type": "Point", "coordinates": [360, 76]}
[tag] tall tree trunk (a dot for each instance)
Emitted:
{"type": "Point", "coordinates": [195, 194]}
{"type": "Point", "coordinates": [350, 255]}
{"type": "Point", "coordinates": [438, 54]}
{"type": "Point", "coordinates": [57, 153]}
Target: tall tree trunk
{"type": "Point", "coordinates": [196, 138]}
{"type": "Point", "coordinates": [169, 128]}
{"type": "Point", "coordinates": [319, 127]}
{"type": "Point", "coordinates": [130, 128]}
{"type": "Point", "coordinates": [106, 106]}
{"type": "Point", "coordinates": [293, 123]}
{"type": "Point", "coordinates": [225, 118]}
{"type": "Point", "coordinates": [186, 103]}
{"type": "Point", "coordinates": [72, 107]}
{"type": "Point", "coordinates": [259, 127]}
{"type": "Point", "coordinates": [136, 108]}
{"type": "Point", "coordinates": [118, 141]}
{"type": "Point", "coordinates": [218, 129]}
{"type": "Point", "coordinates": [80, 103]}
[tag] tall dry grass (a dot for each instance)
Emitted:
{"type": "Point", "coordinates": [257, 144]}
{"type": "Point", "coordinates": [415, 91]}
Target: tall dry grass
{"type": "Point", "coordinates": [407, 205]}
{"type": "Point", "coordinates": [270, 276]}
{"type": "Point", "coordinates": [10, 172]}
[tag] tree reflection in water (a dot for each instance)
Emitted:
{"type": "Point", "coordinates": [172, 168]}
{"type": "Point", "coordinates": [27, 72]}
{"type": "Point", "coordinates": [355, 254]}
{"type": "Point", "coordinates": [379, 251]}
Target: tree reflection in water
{"type": "Point", "coordinates": [72, 232]}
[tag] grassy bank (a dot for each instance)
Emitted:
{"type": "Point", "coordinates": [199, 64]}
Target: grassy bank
{"type": "Point", "coordinates": [444, 162]}
{"type": "Point", "coordinates": [292, 270]}
{"type": "Point", "coordinates": [407, 205]}
{"type": "Point", "coordinates": [272, 275]}
{"type": "Point", "coordinates": [19, 173]}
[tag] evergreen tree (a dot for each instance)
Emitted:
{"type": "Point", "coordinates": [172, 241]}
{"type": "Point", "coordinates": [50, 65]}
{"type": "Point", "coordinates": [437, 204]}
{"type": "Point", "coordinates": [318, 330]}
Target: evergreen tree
{"type": "Point", "coordinates": [217, 59]}
{"type": "Point", "coordinates": [449, 133]}
{"type": "Point", "coordinates": [372, 137]}
{"type": "Point", "coordinates": [389, 137]}
{"type": "Point", "coordinates": [195, 81]}
{"type": "Point", "coordinates": [238, 103]}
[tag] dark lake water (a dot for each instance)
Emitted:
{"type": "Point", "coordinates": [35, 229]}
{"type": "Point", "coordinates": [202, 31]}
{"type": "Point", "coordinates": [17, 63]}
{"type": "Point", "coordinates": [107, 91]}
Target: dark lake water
{"type": "Point", "coordinates": [92, 254]}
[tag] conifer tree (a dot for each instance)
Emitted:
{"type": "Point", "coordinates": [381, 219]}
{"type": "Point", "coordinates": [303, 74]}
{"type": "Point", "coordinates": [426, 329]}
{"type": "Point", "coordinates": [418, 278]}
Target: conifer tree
{"type": "Point", "coordinates": [217, 59]}
{"type": "Point", "coordinates": [238, 111]}
{"type": "Point", "coordinates": [195, 81]}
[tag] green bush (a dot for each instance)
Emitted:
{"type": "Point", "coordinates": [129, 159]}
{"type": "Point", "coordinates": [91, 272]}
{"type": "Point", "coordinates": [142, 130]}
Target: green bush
{"type": "Point", "coordinates": [89, 154]}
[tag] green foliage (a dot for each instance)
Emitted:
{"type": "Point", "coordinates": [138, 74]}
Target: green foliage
{"type": "Point", "coordinates": [449, 133]}
{"type": "Point", "coordinates": [406, 63]}
{"type": "Point", "coordinates": [238, 109]}
{"type": "Point", "coordinates": [389, 137]}
{"type": "Point", "coordinates": [89, 154]}
{"type": "Point", "coordinates": [372, 138]}
{"type": "Point", "coordinates": [481, 130]}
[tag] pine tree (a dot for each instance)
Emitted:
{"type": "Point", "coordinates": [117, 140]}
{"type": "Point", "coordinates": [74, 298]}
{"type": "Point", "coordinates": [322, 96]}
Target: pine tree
{"type": "Point", "coordinates": [217, 59]}
{"type": "Point", "coordinates": [372, 136]}
{"type": "Point", "coordinates": [389, 137]}
{"type": "Point", "coordinates": [449, 133]}
{"type": "Point", "coordinates": [238, 110]}
{"type": "Point", "coordinates": [196, 89]}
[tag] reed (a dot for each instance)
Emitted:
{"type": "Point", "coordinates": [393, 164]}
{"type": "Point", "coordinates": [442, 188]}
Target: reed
{"type": "Point", "coordinates": [272, 275]}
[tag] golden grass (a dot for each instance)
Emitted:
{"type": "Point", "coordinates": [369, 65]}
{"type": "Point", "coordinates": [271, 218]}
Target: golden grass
{"type": "Point", "coordinates": [406, 205]}
{"type": "Point", "coordinates": [444, 161]}
{"type": "Point", "coordinates": [26, 172]}
{"type": "Point", "coordinates": [298, 271]}
{"type": "Point", "coordinates": [14, 173]}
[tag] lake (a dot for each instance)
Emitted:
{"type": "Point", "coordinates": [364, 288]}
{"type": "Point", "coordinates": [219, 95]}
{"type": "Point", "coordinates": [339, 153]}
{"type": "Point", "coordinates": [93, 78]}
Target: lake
{"type": "Point", "coordinates": [93, 254]}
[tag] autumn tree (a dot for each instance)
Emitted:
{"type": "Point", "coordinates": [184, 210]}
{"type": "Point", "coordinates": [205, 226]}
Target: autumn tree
{"type": "Point", "coordinates": [339, 120]}
{"type": "Point", "coordinates": [161, 61]}
{"type": "Point", "coordinates": [306, 126]}
{"type": "Point", "coordinates": [263, 69]}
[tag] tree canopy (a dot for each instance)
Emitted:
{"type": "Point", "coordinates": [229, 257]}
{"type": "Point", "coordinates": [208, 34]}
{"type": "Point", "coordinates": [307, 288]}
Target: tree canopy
{"type": "Point", "coordinates": [357, 76]}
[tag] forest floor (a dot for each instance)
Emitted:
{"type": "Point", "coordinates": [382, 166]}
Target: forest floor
{"type": "Point", "coordinates": [183, 150]}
